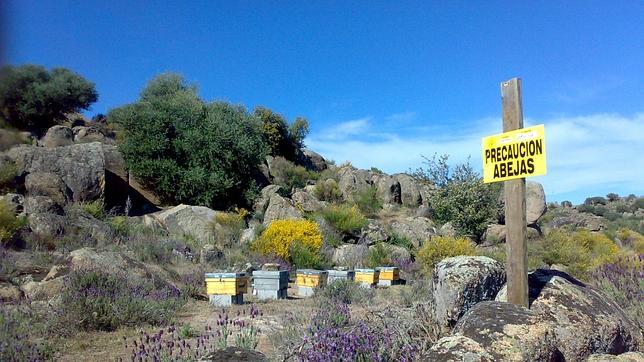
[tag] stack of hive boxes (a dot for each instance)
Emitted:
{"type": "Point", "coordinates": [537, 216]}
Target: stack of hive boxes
{"type": "Point", "coordinates": [226, 288]}
{"type": "Point", "coordinates": [366, 277]}
{"type": "Point", "coordinates": [388, 275]}
{"type": "Point", "coordinates": [308, 280]}
{"type": "Point", "coordinates": [340, 275]}
{"type": "Point", "coordinates": [270, 284]}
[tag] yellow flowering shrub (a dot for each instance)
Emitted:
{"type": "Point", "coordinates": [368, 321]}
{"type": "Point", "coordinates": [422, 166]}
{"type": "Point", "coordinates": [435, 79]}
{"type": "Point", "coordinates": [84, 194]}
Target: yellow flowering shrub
{"type": "Point", "coordinates": [279, 236]}
{"type": "Point", "coordinates": [440, 247]}
{"type": "Point", "coordinates": [579, 251]}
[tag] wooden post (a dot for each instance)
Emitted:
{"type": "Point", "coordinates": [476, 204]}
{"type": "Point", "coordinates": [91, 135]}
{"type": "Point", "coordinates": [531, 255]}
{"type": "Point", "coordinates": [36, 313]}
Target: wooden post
{"type": "Point", "coordinates": [515, 209]}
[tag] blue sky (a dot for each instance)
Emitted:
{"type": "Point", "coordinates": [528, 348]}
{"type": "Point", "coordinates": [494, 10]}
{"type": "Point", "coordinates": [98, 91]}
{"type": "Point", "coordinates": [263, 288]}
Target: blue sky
{"type": "Point", "coordinates": [380, 82]}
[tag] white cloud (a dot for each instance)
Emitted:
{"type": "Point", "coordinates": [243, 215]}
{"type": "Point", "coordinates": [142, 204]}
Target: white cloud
{"type": "Point", "coordinates": [595, 152]}
{"type": "Point", "coordinates": [346, 129]}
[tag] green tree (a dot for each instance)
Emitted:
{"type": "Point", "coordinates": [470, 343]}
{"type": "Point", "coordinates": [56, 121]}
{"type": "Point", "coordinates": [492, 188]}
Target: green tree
{"type": "Point", "coordinates": [282, 140]}
{"type": "Point", "coordinates": [189, 151]}
{"type": "Point", "coordinates": [460, 196]}
{"type": "Point", "coordinates": [34, 99]}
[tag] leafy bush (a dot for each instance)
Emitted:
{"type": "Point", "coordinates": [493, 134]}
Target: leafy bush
{"type": "Point", "coordinates": [8, 173]}
{"type": "Point", "coordinates": [378, 256]}
{"type": "Point", "coordinates": [580, 251]}
{"type": "Point", "coordinates": [95, 208]}
{"type": "Point", "coordinates": [34, 99]}
{"type": "Point", "coordinates": [280, 235]}
{"type": "Point", "coordinates": [368, 201]}
{"type": "Point", "coordinates": [307, 257]}
{"type": "Point", "coordinates": [282, 140]}
{"type": "Point", "coordinates": [227, 226]}
{"type": "Point", "coordinates": [612, 197]}
{"type": "Point", "coordinates": [593, 201]}
{"type": "Point", "coordinates": [639, 203]}
{"type": "Point", "coordinates": [333, 335]}
{"type": "Point", "coordinates": [120, 226]}
{"type": "Point", "coordinates": [461, 196]}
{"type": "Point", "coordinates": [290, 176]}
{"type": "Point", "coordinates": [327, 190]}
{"type": "Point", "coordinates": [622, 281]}
{"type": "Point", "coordinates": [18, 340]}
{"type": "Point", "coordinates": [9, 222]}
{"type": "Point", "coordinates": [440, 247]}
{"type": "Point", "coordinates": [345, 218]}
{"type": "Point", "coordinates": [631, 239]}
{"type": "Point", "coordinates": [172, 344]}
{"type": "Point", "coordinates": [189, 151]}
{"type": "Point", "coordinates": [345, 292]}
{"type": "Point", "coordinates": [95, 300]}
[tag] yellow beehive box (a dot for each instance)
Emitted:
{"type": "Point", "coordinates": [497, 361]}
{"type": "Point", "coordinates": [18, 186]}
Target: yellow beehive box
{"type": "Point", "coordinates": [388, 273]}
{"type": "Point", "coordinates": [310, 278]}
{"type": "Point", "coordinates": [366, 276]}
{"type": "Point", "coordinates": [226, 283]}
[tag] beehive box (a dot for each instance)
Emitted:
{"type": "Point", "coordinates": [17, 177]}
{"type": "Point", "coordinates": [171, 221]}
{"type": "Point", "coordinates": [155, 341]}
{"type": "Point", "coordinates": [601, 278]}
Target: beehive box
{"type": "Point", "coordinates": [270, 284]}
{"type": "Point", "coordinates": [309, 279]}
{"type": "Point", "coordinates": [366, 277]}
{"type": "Point", "coordinates": [388, 275]}
{"type": "Point", "coordinates": [340, 275]}
{"type": "Point", "coordinates": [226, 283]}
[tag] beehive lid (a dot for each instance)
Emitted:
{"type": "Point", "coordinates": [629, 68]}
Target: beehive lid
{"type": "Point", "coordinates": [276, 274]}
{"type": "Point", "coordinates": [224, 275]}
{"type": "Point", "coordinates": [311, 271]}
{"type": "Point", "coordinates": [340, 272]}
{"type": "Point", "coordinates": [365, 270]}
{"type": "Point", "coordinates": [386, 268]}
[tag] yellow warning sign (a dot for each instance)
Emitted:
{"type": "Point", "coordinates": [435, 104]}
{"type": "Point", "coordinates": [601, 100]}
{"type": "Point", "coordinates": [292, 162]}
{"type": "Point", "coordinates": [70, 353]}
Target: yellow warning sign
{"type": "Point", "coordinates": [514, 154]}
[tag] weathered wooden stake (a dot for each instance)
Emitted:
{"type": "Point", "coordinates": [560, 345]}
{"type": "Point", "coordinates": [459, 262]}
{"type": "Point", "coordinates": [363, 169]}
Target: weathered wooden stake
{"type": "Point", "coordinates": [515, 212]}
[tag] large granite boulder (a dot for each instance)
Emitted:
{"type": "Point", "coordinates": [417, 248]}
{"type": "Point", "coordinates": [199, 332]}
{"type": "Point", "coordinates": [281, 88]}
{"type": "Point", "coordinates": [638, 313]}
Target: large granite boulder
{"type": "Point", "coordinates": [458, 283]}
{"type": "Point", "coordinates": [307, 202]}
{"type": "Point", "coordinates": [624, 357]}
{"type": "Point", "coordinates": [583, 320]}
{"type": "Point", "coordinates": [350, 255]}
{"type": "Point", "coordinates": [509, 332]}
{"type": "Point", "coordinates": [81, 167]}
{"type": "Point", "coordinates": [416, 229]}
{"type": "Point", "coordinates": [314, 161]}
{"type": "Point", "coordinates": [373, 233]}
{"type": "Point", "coordinates": [112, 262]}
{"type": "Point", "coordinates": [412, 193]}
{"type": "Point", "coordinates": [57, 136]}
{"type": "Point", "coordinates": [47, 184]}
{"type": "Point", "coordinates": [280, 208]}
{"type": "Point", "coordinates": [535, 203]}
{"type": "Point", "coordinates": [353, 180]}
{"type": "Point", "coordinates": [234, 354]}
{"type": "Point", "coordinates": [457, 349]}
{"type": "Point", "coordinates": [389, 189]}
{"type": "Point", "coordinates": [188, 220]}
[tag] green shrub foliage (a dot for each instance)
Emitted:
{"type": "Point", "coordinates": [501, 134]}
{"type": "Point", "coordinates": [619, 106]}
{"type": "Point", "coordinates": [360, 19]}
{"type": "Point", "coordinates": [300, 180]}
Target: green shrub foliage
{"type": "Point", "coordinates": [460, 197]}
{"type": "Point", "coordinates": [189, 151]}
{"type": "Point", "coordinates": [282, 139]}
{"type": "Point", "coordinates": [34, 99]}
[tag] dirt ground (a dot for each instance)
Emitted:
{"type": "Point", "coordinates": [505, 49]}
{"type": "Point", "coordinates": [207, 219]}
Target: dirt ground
{"type": "Point", "coordinates": [109, 346]}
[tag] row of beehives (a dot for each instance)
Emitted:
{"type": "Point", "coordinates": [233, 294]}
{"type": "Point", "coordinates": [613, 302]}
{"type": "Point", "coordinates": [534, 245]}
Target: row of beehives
{"type": "Point", "coordinates": [229, 288]}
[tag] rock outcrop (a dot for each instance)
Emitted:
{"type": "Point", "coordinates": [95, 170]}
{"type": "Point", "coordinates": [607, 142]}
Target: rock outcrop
{"type": "Point", "coordinates": [461, 282]}
{"type": "Point", "coordinates": [535, 203]}
{"type": "Point", "coordinates": [457, 349]}
{"type": "Point", "coordinates": [509, 332]}
{"type": "Point", "coordinates": [57, 136]}
{"type": "Point", "coordinates": [80, 167]}
{"type": "Point", "coordinates": [583, 320]}
{"type": "Point", "coordinates": [415, 228]}
{"type": "Point", "coordinates": [188, 220]}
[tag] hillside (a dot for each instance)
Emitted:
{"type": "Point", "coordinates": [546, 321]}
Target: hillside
{"type": "Point", "coordinates": [85, 226]}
